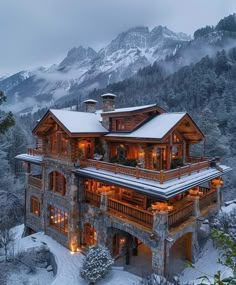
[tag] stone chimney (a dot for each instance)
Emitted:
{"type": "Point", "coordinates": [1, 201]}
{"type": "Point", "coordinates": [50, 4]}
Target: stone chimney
{"type": "Point", "coordinates": [108, 102]}
{"type": "Point", "coordinates": [90, 105]}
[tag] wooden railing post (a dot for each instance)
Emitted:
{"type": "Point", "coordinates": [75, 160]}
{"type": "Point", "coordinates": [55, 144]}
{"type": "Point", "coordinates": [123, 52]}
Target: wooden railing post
{"type": "Point", "coordinates": [137, 172]}
{"type": "Point", "coordinates": [116, 168]}
{"type": "Point", "coordinates": [162, 177]}
{"type": "Point", "coordinates": [189, 171]}
{"type": "Point", "coordinates": [179, 172]}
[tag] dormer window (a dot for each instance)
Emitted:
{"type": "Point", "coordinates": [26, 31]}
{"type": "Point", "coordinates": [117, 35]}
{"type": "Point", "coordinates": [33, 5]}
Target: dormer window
{"type": "Point", "coordinates": [120, 124]}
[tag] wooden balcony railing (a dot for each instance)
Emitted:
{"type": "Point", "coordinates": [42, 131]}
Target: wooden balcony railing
{"type": "Point", "coordinates": [125, 210]}
{"type": "Point", "coordinates": [161, 176]}
{"type": "Point", "coordinates": [33, 151]}
{"type": "Point", "coordinates": [194, 159]}
{"type": "Point", "coordinates": [93, 198]}
{"type": "Point", "coordinates": [180, 215]}
{"type": "Point", "coordinates": [208, 199]}
{"type": "Point", "coordinates": [35, 181]}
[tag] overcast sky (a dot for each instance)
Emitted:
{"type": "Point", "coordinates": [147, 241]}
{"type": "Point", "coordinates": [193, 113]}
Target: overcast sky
{"type": "Point", "coordinates": [40, 32]}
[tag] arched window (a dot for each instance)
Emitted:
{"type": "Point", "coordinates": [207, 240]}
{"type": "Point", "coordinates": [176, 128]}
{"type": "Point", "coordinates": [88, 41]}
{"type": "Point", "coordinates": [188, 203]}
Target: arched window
{"type": "Point", "coordinates": [57, 182]}
{"type": "Point", "coordinates": [35, 205]}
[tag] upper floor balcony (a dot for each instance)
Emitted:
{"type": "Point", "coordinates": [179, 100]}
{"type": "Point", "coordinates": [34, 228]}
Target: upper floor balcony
{"type": "Point", "coordinates": [35, 181]}
{"type": "Point", "coordinates": [193, 165]}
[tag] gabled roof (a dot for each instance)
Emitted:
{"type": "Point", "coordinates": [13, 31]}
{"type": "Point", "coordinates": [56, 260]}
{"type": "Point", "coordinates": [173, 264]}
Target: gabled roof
{"type": "Point", "coordinates": [158, 127]}
{"type": "Point", "coordinates": [75, 122]}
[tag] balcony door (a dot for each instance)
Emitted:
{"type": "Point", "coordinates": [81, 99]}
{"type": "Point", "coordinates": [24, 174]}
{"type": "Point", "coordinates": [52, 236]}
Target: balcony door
{"type": "Point", "coordinates": [159, 158]}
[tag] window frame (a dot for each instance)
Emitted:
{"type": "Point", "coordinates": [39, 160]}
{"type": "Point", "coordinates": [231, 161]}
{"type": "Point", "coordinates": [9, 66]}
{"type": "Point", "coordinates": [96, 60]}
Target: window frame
{"type": "Point", "coordinates": [35, 206]}
{"type": "Point", "coordinates": [55, 185]}
{"type": "Point", "coordinates": [58, 219]}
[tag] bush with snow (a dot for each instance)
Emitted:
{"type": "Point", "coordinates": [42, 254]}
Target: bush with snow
{"type": "Point", "coordinates": [96, 264]}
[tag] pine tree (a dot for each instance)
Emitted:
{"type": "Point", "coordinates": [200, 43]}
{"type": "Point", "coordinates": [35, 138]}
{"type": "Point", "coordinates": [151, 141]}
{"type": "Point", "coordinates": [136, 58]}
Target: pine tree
{"type": "Point", "coordinates": [96, 264]}
{"type": "Point", "coordinates": [6, 119]}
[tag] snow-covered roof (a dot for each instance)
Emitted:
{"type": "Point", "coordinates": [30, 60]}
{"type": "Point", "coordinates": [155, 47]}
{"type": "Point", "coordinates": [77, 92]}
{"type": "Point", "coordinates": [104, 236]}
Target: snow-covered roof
{"type": "Point", "coordinates": [108, 94]}
{"type": "Point", "coordinates": [90, 101]}
{"type": "Point", "coordinates": [156, 128]}
{"type": "Point", "coordinates": [129, 109]}
{"type": "Point", "coordinates": [79, 122]}
{"type": "Point", "coordinates": [163, 191]}
{"type": "Point", "coordinates": [37, 159]}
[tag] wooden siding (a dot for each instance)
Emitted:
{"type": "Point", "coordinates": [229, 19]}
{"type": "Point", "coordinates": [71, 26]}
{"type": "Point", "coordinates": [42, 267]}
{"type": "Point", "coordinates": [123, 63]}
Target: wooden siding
{"type": "Point", "coordinates": [130, 123]}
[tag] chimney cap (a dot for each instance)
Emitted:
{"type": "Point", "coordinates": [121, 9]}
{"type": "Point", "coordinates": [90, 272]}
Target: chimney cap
{"type": "Point", "coordinates": [108, 95]}
{"type": "Point", "coordinates": [91, 101]}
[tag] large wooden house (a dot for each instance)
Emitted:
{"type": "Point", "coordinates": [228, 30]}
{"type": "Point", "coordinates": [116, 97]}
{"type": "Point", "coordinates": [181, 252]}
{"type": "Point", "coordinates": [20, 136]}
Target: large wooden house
{"type": "Point", "coordinates": [124, 178]}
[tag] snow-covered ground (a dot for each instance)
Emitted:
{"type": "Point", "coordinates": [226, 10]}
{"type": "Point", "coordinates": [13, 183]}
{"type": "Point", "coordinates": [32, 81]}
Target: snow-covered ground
{"type": "Point", "coordinates": [207, 264]}
{"type": "Point", "coordinates": [68, 265]}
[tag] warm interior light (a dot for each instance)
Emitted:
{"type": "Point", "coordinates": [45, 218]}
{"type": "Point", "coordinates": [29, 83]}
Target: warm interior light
{"type": "Point", "coordinates": [194, 191]}
{"type": "Point", "coordinates": [160, 206]}
{"type": "Point", "coordinates": [122, 241]}
{"type": "Point", "coordinates": [141, 154]}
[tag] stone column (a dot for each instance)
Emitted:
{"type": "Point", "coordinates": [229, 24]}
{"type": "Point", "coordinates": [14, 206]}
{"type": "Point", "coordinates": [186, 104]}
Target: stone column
{"type": "Point", "coordinates": [104, 201]}
{"type": "Point", "coordinates": [106, 147]}
{"type": "Point", "coordinates": [73, 235]}
{"type": "Point", "coordinates": [160, 231]}
{"type": "Point", "coordinates": [196, 206]}
{"type": "Point", "coordinates": [101, 228]}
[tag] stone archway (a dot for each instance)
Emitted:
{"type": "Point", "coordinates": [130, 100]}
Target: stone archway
{"type": "Point", "coordinates": [180, 252]}
{"type": "Point", "coordinates": [130, 252]}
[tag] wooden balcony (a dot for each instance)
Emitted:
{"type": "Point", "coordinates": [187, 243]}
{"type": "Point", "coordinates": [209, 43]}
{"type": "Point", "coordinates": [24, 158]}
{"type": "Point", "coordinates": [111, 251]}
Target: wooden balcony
{"type": "Point", "coordinates": [32, 151]}
{"type": "Point", "coordinates": [208, 199]}
{"type": "Point", "coordinates": [180, 215]}
{"type": "Point", "coordinates": [93, 198]}
{"type": "Point", "coordinates": [35, 181]}
{"type": "Point", "coordinates": [57, 156]}
{"type": "Point", "coordinates": [126, 210]}
{"type": "Point", "coordinates": [182, 210]}
{"type": "Point", "coordinates": [161, 176]}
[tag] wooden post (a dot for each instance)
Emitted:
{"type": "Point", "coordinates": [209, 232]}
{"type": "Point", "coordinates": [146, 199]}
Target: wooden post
{"type": "Point", "coordinates": [162, 177]}
{"type": "Point", "coordinates": [179, 172]}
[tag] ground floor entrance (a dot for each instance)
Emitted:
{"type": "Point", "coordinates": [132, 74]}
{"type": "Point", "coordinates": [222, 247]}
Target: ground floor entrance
{"type": "Point", "coordinates": [132, 254]}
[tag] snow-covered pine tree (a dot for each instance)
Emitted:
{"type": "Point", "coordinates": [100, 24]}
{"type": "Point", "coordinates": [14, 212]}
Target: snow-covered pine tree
{"type": "Point", "coordinates": [96, 264]}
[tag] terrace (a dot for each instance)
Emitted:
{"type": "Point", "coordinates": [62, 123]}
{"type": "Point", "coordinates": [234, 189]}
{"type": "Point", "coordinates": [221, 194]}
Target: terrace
{"type": "Point", "coordinates": [139, 208]}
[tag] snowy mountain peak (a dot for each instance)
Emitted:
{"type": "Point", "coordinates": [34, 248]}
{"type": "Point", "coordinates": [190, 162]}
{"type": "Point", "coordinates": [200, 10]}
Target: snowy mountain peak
{"type": "Point", "coordinates": [78, 55]}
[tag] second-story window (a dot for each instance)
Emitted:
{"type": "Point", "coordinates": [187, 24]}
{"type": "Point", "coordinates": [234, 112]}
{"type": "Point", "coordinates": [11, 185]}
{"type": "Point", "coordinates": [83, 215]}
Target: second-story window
{"type": "Point", "coordinates": [57, 182]}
